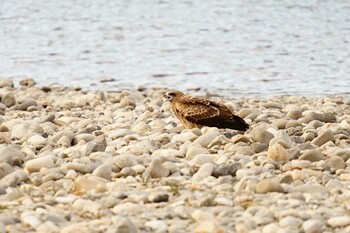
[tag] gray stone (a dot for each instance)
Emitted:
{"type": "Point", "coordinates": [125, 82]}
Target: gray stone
{"type": "Point", "coordinates": [226, 169]}
{"type": "Point", "coordinates": [26, 104]}
{"type": "Point", "coordinates": [13, 179]}
{"type": "Point", "coordinates": [5, 169]}
{"type": "Point", "coordinates": [260, 134]}
{"type": "Point", "coordinates": [324, 137]}
{"type": "Point", "coordinates": [324, 117]}
{"type": "Point", "coordinates": [294, 114]}
{"type": "Point", "coordinates": [312, 155]}
{"type": "Point", "coordinates": [11, 155]}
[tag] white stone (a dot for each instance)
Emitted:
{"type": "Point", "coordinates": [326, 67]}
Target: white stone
{"type": "Point", "coordinates": [205, 139]}
{"type": "Point", "coordinates": [204, 171]}
{"type": "Point", "coordinates": [184, 137]}
{"type": "Point", "coordinates": [290, 222]}
{"type": "Point", "coordinates": [35, 165]}
{"type": "Point", "coordinates": [313, 226]}
{"type": "Point", "coordinates": [37, 141]}
{"type": "Point", "coordinates": [125, 160]}
{"type": "Point", "coordinates": [157, 226]}
{"type": "Point", "coordinates": [339, 221]}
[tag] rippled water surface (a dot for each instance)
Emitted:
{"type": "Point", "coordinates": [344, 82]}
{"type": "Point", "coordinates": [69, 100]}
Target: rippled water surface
{"type": "Point", "coordinates": [229, 47]}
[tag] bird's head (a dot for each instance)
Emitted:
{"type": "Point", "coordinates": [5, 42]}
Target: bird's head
{"type": "Point", "coordinates": [171, 95]}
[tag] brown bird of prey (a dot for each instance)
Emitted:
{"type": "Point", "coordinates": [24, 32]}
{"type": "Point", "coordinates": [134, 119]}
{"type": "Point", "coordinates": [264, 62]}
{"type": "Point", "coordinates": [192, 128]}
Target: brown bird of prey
{"type": "Point", "coordinates": [195, 112]}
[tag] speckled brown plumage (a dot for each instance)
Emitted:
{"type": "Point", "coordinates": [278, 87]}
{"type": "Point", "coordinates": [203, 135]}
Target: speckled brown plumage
{"type": "Point", "coordinates": [195, 112]}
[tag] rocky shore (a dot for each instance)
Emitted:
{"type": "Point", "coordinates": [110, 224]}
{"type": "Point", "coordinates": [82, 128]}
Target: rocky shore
{"type": "Point", "coordinates": [81, 161]}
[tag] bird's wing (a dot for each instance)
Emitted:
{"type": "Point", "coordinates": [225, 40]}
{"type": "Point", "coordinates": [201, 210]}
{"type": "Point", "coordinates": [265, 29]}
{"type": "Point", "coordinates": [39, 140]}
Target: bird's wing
{"type": "Point", "coordinates": [195, 109]}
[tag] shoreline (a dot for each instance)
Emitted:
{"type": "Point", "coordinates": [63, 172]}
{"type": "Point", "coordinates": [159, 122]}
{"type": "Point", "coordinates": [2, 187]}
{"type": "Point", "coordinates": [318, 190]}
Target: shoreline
{"type": "Point", "coordinates": [74, 160]}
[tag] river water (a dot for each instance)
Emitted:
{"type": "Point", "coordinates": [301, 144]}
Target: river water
{"type": "Point", "coordinates": [227, 47]}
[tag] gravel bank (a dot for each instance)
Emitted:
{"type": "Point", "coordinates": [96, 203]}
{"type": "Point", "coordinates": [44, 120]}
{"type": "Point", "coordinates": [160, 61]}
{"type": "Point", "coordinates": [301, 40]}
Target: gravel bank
{"type": "Point", "coordinates": [79, 161]}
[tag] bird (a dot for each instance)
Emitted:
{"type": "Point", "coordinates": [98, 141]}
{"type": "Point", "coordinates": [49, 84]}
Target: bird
{"type": "Point", "coordinates": [196, 112]}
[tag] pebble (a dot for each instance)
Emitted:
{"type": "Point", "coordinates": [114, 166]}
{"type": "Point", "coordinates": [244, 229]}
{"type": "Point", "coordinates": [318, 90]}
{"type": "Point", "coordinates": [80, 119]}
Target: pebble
{"type": "Point", "coordinates": [88, 208]}
{"type": "Point", "coordinates": [290, 222]}
{"type": "Point", "coordinates": [157, 226]}
{"type": "Point", "coordinates": [312, 155]}
{"type": "Point", "coordinates": [313, 226]}
{"type": "Point", "coordinates": [266, 186]}
{"type": "Point", "coordinates": [104, 170]}
{"type": "Point", "coordinates": [324, 137]}
{"type": "Point", "coordinates": [184, 137]}
{"type": "Point", "coordinates": [125, 160]}
{"type": "Point", "coordinates": [13, 179]}
{"type": "Point", "coordinates": [5, 169]}
{"type": "Point", "coordinates": [226, 169]}
{"type": "Point", "coordinates": [120, 133]}
{"type": "Point", "coordinates": [35, 165]}
{"type": "Point", "coordinates": [156, 170]}
{"type": "Point", "coordinates": [6, 83]}
{"type": "Point", "coordinates": [29, 218]}
{"type": "Point", "coordinates": [37, 141]}
{"type": "Point", "coordinates": [324, 117]}
{"type": "Point", "coordinates": [195, 150]}
{"type": "Point", "coordinates": [204, 171]}
{"type": "Point", "coordinates": [310, 188]}
{"type": "Point", "coordinates": [124, 224]}
{"type": "Point", "coordinates": [278, 153]}
{"type": "Point", "coordinates": [205, 139]}
{"type": "Point", "coordinates": [294, 114]}
{"type": "Point", "coordinates": [339, 221]}
{"type": "Point", "coordinates": [300, 164]}
{"type": "Point", "coordinates": [260, 134]}
{"type": "Point", "coordinates": [8, 99]}
{"type": "Point", "coordinates": [336, 162]}
{"type": "Point", "coordinates": [26, 104]}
